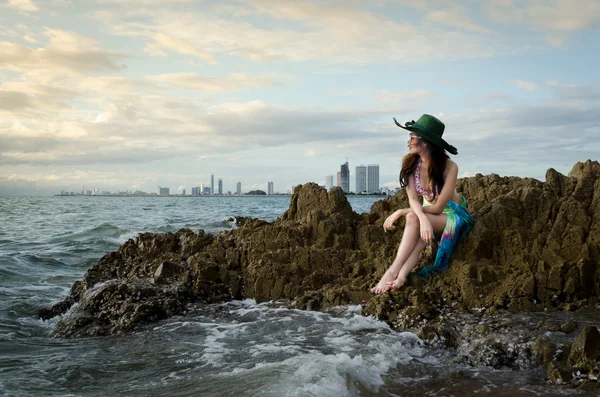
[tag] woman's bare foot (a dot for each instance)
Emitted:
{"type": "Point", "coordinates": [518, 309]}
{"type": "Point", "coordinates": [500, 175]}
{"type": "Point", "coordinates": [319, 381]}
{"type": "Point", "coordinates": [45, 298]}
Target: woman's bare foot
{"type": "Point", "coordinates": [396, 284]}
{"type": "Point", "coordinates": [381, 286]}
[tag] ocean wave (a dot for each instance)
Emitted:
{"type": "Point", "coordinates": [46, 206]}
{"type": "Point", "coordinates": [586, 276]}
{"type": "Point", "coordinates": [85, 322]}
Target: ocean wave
{"type": "Point", "coordinates": [223, 224]}
{"type": "Point", "coordinates": [311, 353]}
{"type": "Point", "coordinates": [104, 230]}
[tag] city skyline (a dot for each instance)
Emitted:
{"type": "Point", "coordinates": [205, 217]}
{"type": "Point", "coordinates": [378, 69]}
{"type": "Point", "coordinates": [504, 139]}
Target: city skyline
{"type": "Point", "coordinates": [134, 94]}
{"type": "Point", "coordinates": [201, 187]}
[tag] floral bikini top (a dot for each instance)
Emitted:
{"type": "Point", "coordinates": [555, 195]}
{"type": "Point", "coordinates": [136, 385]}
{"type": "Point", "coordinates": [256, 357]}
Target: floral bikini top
{"type": "Point", "coordinates": [420, 189]}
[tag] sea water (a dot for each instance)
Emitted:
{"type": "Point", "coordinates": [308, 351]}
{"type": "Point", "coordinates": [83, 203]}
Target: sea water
{"type": "Point", "coordinates": [234, 349]}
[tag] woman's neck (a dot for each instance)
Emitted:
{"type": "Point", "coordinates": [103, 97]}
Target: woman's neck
{"type": "Point", "coordinates": [425, 158]}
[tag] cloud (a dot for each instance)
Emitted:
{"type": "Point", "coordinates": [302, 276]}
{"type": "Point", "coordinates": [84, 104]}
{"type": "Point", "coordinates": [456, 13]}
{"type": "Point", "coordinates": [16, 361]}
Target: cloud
{"type": "Point", "coordinates": [556, 17]}
{"type": "Point", "coordinates": [360, 36]}
{"type": "Point", "coordinates": [525, 85]}
{"type": "Point", "coordinates": [456, 17]}
{"type": "Point", "coordinates": [213, 84]}
{"type": "Point", "coordinates": [26, 98]}
{"type": "Point", "coordinates": [23, 5]}
{"type": "Point", "coordinates": [162, 42]}
{"type": "Point", "coordinates": [417, 95]}
{"type": "Point", "coordinates": [67, 51]}
{"type": "Point", "coordinates": [67, 101]}
{"type": "Point", "coordinates": [13, 101]}
{"type": "Point", "coordinates": [147, 130]}
{"type": "Point", "coordinates": [576, 94]}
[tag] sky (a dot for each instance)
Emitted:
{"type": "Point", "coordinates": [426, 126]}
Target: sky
{"type": "Point", "coordinates": [136, 94]}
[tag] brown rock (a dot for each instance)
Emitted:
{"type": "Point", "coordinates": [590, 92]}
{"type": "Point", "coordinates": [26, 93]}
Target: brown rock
{"type": "Point", "coordinates": [558, 373]}
{"type": "Point", "coordinates": [535, 245]}
{"type": "Point", "coordinates": [586, 348]}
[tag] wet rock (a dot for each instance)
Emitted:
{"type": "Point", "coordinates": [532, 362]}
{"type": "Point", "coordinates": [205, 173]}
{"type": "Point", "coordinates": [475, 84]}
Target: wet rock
{"type": "Point", "coordinates": [116, 306]}
{"type": "Point", "coordinates": [568, 327]}
{"type": "Point", "coordinates": [59, 308]}
{"type": "Point", "coordinates": [558, 373]}
{"type": "Point", "coordinates": [535, 247]}
{"type": "Point", "coordinates": [439, 331]}
{"type": "Point", "coordinates": [586, 348]}
{"type": "Point", "coordinates": [543, 350]}
{"type": "Point", "coordinates": [169, 272]}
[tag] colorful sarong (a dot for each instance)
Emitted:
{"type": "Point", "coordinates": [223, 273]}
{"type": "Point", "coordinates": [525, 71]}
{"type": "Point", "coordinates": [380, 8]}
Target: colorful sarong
{"type": "Point", "coordinates": [458, 224]}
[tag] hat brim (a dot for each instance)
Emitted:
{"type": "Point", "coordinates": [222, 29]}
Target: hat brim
{"type": "Point", "coordinates": [431, 137]}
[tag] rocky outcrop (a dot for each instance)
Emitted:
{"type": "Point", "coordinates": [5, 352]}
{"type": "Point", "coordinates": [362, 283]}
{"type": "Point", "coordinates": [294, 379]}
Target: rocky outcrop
{"type": "Point", "coordinates": [535, 247]}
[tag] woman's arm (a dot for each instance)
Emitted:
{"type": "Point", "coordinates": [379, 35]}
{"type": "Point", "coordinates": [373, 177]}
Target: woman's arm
{"type": "Point", "coordinates": [413, 198]}
{"type": "Point", "coordinates": [447, 192]}
{"type": "Point", "coordinates": [425, 229]}
{"type": "Point", "coordinates": [390, 220]}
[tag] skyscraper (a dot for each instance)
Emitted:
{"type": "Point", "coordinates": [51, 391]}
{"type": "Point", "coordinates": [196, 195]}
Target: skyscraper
{"type": "Point", "coordinates": [329, 182]}
{"type": "Point", "coordinates": [339, 179]}
{"type": "Point", "coordinates": [373, 178]}
{"type": "Point", "coordinates": [238, 188]}
{"type": "Point", "coordinates": [220, 186]}
{"type": "Point", "coordinates": [361, 179]}
{"type": "Point", "coordinates": [202, 188]}
{"type": "Point", "coordinates": [269, 188]}
{"type": "Point", "coordinates": [345, 177]}
{"type": "Point", "coordinates": [212, 183]}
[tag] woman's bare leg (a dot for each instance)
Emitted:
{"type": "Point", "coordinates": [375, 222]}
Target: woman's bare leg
{"type": "Point", "coordinates": [438, 223]}
{"type": "Point", "coordinates": [409, 239]}
{"type": "Point", "coordinates": [410, 263]}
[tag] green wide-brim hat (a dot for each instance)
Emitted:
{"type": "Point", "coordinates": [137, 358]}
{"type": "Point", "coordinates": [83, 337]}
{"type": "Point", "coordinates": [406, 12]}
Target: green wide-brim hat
{"type": "Point", "coordinates": [430, 128]}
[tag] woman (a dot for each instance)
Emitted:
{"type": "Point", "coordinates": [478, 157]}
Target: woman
{"type": "Point", "coordinates": [426, 171]}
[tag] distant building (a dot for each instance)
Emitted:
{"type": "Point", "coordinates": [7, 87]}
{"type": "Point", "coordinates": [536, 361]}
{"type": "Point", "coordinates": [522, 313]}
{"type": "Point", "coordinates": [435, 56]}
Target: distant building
{"type": "Point", "coordinates": [345, 177]}
{"type": "Point", "coordinates": [212, 184]}
{"type": "Point", "coordinates": [339, 179]}
{"type": "Point", "coordinates": [329, 182]}
{"type": "Point", "coordinates": [361, 179]}
{"type": "Point", "coordinates": [238, 188]}
{"type": "Point", "coordinates": [220, 186]}
{"type": "Point", "coordinates": [373, 178]}
{"type": "Point", "coordinates": [269, 188]}
{"type": "Point", "coordinates": [163, 191]}
{"type": "Point", "coordinates": [183, 192]}
{"type": "Point", "coordinates": [195, 191]}
{"type": "Point", "coordinates": [201, 188]}
{"type": "Point", "coordinates": [206, 190]}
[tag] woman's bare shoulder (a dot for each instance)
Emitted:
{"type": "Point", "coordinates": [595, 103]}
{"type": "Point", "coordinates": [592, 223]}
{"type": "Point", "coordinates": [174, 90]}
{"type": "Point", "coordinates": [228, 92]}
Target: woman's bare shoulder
{"type": "Point", "coordinates": [451, 165]}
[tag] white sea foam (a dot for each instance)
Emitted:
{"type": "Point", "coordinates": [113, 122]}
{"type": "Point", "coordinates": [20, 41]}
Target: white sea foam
{"type": "Point", "coordinates": [354, 308]}
{"type": "Point", "coordinates": [318, 374]}
{"type": "Point", "coordinates": [260, 349]}
{"type": "Point", "coordinates": [304, 353]}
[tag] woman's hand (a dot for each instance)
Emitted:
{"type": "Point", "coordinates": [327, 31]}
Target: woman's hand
{"type": "Point", "coordinates": [389, 222]}
{"type": "Point", "coordinates": [426, 230]}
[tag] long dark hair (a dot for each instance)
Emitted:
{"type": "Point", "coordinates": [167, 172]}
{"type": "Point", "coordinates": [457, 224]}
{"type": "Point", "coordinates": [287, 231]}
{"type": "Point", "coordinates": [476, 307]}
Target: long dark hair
{"type": "Point", "coordinates": [435, 171]}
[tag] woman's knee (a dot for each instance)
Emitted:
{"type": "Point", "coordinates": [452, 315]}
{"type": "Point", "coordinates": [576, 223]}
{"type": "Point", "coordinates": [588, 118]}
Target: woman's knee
{"type": "Point", "coordinates": [412, 219]}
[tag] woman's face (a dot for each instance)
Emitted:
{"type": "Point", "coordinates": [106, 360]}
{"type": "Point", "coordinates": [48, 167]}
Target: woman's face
{"type": "Point", "coordinates": [415, 143]}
